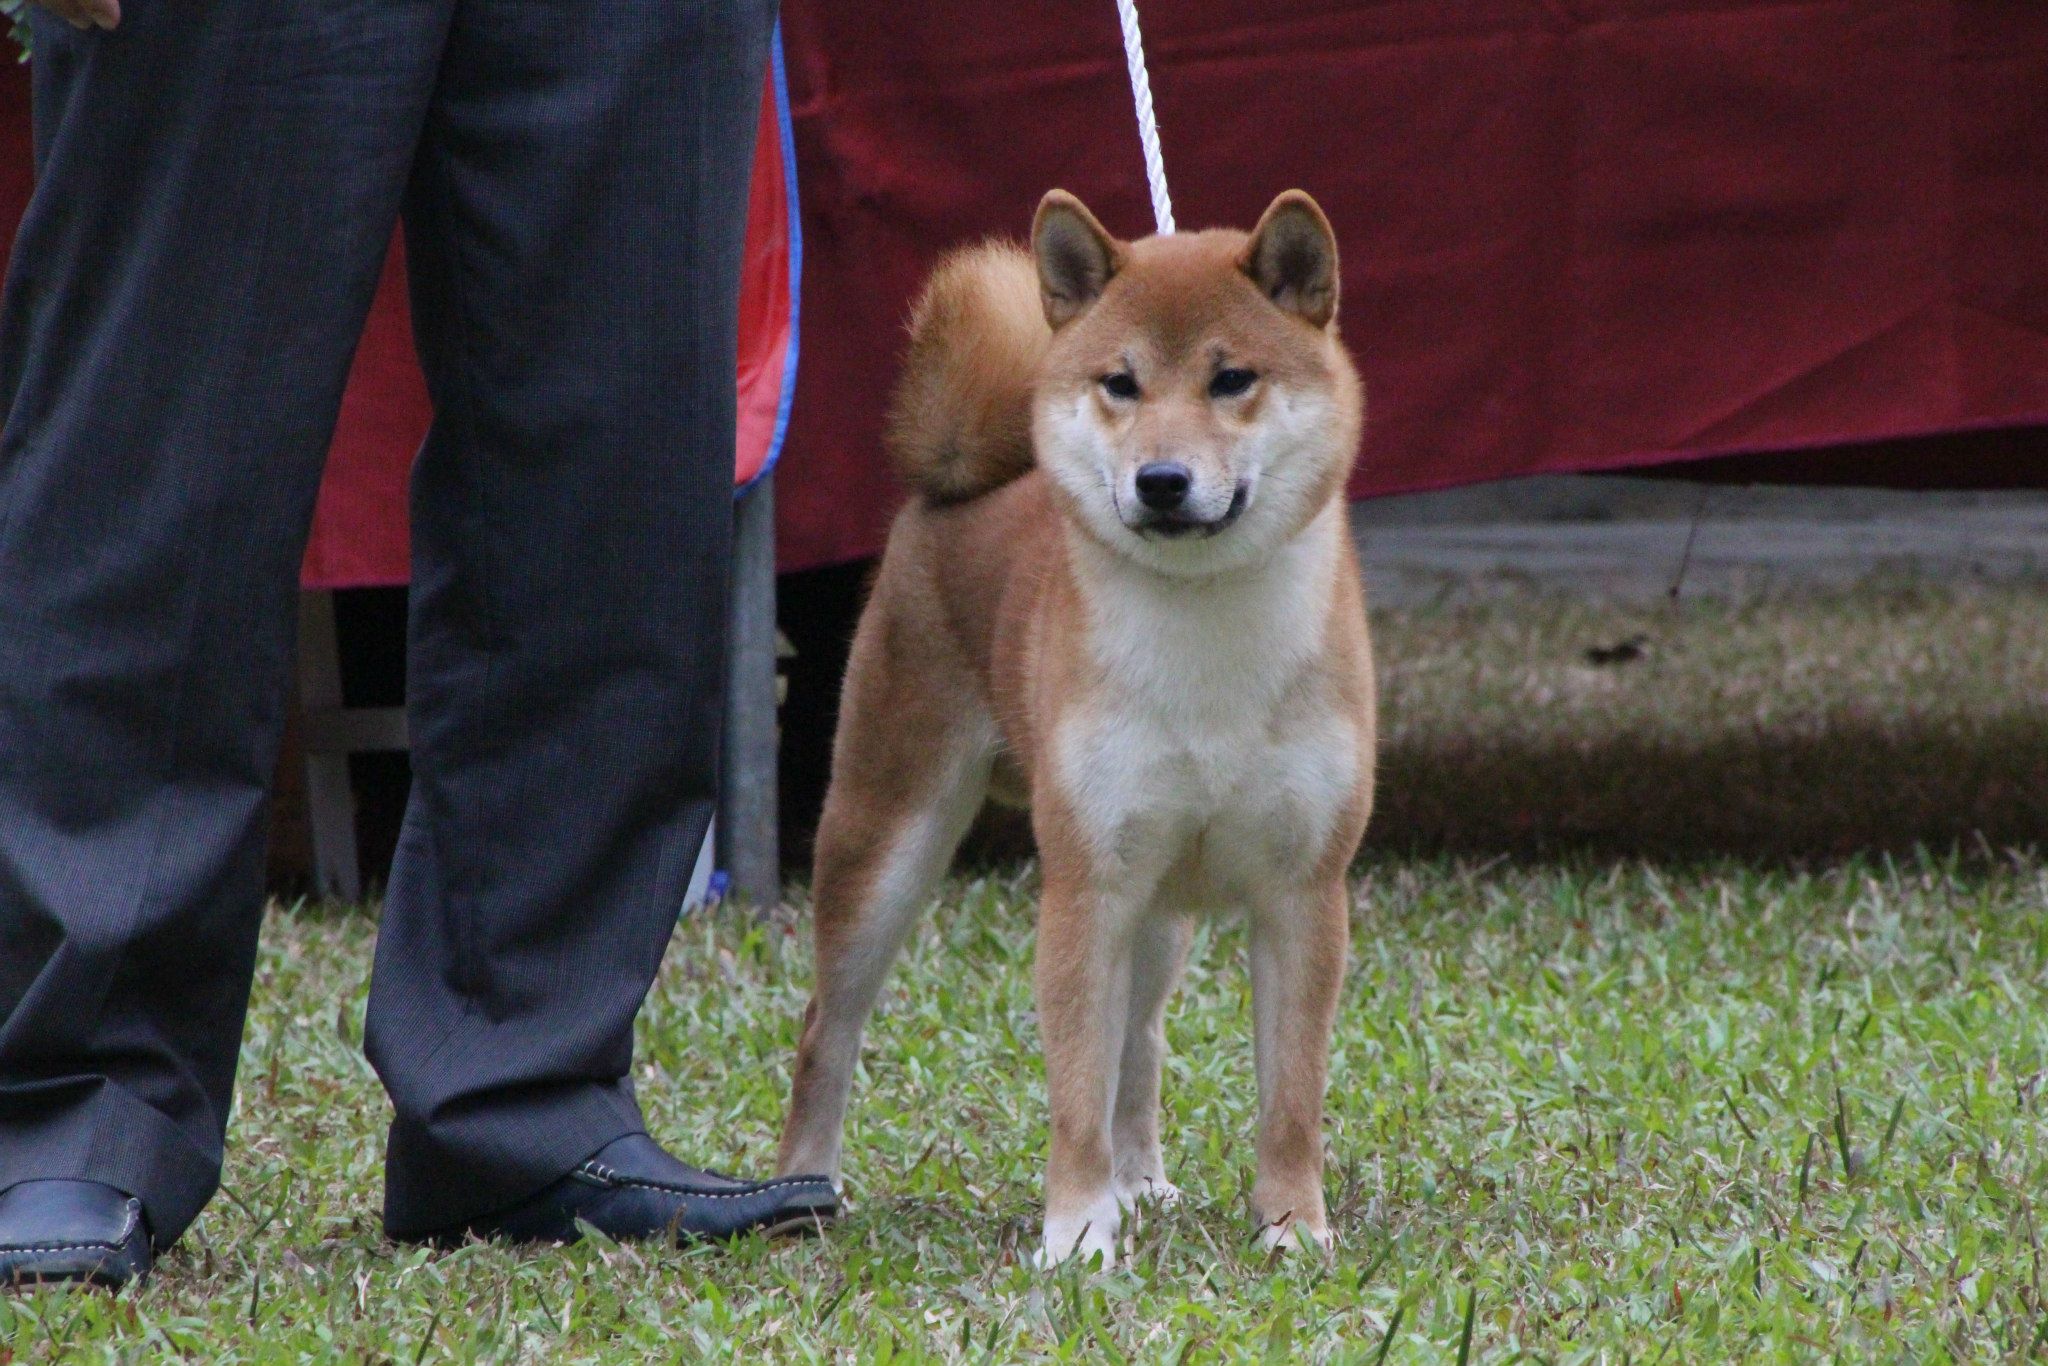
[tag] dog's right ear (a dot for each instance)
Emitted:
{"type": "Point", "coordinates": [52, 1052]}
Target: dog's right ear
{"type": "Point", "coordinates": [1076, 256]}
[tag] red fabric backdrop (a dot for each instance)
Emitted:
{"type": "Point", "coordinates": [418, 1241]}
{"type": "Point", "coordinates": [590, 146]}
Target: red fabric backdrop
{"type": "Point", "coordinates": [1577, 234]}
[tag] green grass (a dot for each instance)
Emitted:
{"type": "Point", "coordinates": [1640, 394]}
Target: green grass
{"type": "Point", "coordinates": [1771, 730]}
{"type": "Point", "coordinates": [1750, 1098]}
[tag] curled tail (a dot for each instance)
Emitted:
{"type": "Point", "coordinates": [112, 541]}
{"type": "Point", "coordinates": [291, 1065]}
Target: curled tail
{"type": "Point", "coordinates": [960, 423]}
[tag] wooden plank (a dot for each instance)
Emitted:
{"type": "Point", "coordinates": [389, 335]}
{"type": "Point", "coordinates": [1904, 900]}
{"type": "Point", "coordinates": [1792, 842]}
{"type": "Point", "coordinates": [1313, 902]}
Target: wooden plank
{"type": "Point", "coordinates": [330, 800]}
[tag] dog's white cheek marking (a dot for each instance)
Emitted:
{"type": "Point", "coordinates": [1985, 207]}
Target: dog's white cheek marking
{"type": "Point", "coordinates": [1291, 453]}
{"type": "Point", "coordinates": [1071, 446]}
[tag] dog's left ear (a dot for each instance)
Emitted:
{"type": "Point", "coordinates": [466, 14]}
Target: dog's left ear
{"type": "Point", "coordinates": [1292, 258]}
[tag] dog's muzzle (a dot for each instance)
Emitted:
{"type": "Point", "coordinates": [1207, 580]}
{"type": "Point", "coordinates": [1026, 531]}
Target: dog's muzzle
{"type": "Point", "coordinates": [1176, 522]}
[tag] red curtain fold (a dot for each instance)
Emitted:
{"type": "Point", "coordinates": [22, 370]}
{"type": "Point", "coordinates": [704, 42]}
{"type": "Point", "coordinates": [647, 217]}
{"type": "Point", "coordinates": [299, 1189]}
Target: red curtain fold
{"type": "Point", "coordinates": [1577, 234]}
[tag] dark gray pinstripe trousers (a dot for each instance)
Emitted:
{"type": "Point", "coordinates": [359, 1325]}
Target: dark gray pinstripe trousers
{"type": "Point", "coordinates": [218, 179]}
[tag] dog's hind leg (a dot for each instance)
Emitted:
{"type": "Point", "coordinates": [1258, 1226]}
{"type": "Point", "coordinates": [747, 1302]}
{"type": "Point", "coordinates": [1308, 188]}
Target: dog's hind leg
{"type": "Point", "coordinates": [1159, 950]}
{"type": "Point", "coordinates": [899, 805]}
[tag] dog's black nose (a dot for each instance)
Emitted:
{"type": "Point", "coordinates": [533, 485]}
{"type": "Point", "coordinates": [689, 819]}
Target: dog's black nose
{"type": "Point", "coordinates": [1163, 485]}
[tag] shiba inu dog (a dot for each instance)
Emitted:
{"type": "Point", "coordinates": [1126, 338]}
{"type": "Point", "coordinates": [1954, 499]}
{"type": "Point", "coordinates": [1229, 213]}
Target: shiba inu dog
{"type": "Point", "coordinates": [1125, 594]}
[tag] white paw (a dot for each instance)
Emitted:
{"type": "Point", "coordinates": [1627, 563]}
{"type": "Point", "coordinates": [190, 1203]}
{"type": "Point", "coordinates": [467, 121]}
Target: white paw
{"type": "Point", "coordinates": [1295, 1236]}
{"type": "Point", "coordinates": [1132, 1192]}
{"type": "Point", "coordinates": [1082, 1236]}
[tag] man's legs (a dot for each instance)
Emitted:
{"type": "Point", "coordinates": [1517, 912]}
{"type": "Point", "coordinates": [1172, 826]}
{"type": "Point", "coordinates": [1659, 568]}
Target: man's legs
{"type": "Point", "coordinates": [218, 181]}
{"type": "Point", "coordinates": [574, 229]}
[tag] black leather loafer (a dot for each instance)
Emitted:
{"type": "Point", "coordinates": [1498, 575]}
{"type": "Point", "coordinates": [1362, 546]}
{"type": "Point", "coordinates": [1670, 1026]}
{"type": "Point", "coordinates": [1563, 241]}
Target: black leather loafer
{"type": "Point", "coordinates": [632, 1189]}
{"type": "Point", "coordinates": [71, 1233]}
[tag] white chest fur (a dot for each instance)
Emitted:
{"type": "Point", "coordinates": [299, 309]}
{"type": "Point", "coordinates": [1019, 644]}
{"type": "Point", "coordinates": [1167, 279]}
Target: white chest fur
{"type": "Point", "coordinates": [1213, 749]}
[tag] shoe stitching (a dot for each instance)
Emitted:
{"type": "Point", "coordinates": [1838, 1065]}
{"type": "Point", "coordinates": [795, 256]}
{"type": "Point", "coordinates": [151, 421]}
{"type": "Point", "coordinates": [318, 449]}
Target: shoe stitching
{"type": "Point", "coordinates": [119, 1242]}
{"type": "Point", "coordinates": [780, 1183]}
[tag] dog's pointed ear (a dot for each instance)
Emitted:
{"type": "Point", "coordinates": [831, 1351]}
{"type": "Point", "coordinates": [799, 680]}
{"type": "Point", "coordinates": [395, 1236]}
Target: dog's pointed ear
{"type": "Point", "coordinates": [1076, 256]}
{"type": "Point", "coordinates": [1292, 258]}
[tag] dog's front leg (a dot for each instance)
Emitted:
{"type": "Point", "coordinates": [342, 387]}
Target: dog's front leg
{"type": "Point", "coordinates": [1298, 946]}
{"type": "Point", "coordinates": [1084, 986]}
{"type": "Point", "coordinates": [1159, 950]}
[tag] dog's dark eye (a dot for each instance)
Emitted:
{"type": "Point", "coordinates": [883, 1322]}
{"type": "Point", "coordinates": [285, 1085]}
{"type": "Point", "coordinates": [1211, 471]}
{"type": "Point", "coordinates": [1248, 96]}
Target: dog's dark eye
{"type": "Point", "coordinates": [1229, 383]}
{"type": "Point", "coordinates": [1120, 385]}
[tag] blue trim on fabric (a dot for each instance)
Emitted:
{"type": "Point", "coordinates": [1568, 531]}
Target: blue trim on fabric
{"type": "Point", "coordinates": [796, 261]}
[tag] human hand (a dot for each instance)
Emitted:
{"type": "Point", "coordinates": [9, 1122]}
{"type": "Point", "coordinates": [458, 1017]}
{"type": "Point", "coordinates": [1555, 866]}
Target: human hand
{"type": "Point", "coordinates": [85, 13]}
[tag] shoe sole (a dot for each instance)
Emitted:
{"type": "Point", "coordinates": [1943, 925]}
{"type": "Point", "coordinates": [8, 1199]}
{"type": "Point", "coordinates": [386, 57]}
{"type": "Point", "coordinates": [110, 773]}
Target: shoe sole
{"type": "Point", "coordinates": [795, 1222]}
{"type": "Point", "coordinates": [80, 1279]}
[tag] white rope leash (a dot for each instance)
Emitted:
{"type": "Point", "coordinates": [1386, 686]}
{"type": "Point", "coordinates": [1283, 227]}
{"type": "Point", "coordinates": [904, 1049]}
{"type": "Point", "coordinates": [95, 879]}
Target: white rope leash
{"type": "Point", "coordinates": [1148, 122]}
